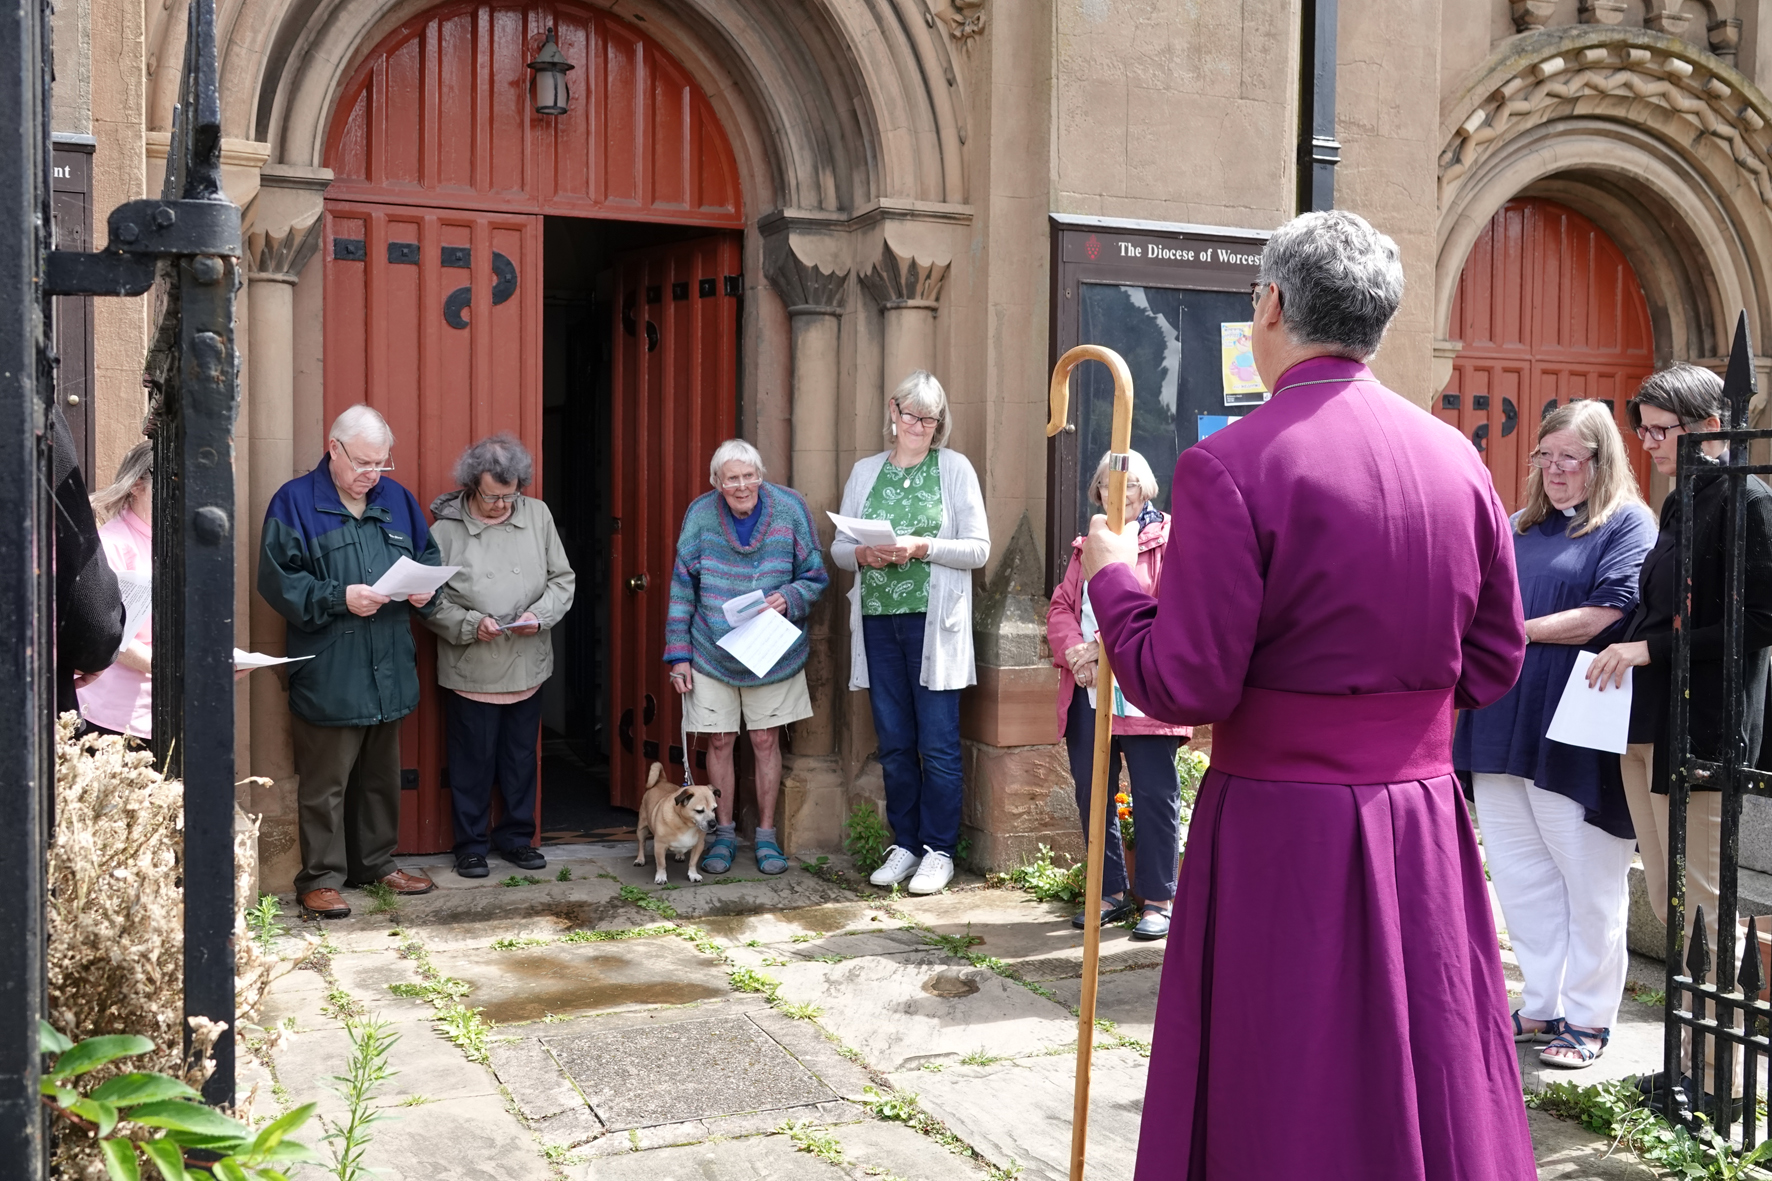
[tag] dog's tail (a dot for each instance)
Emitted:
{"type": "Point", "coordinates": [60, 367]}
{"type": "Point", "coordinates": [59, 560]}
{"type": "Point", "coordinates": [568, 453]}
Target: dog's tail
{"type": "Point", "coordinates": [654, 774]}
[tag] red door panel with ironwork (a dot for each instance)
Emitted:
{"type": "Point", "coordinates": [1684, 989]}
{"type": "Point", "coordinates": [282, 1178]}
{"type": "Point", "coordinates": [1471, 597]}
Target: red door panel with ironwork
{"type": "Point", "coordinates": [434, 318]}
{"type": "Point", "coordinates": [1549, 311]}
{"type": "Point", "coordinates": [674, 374]}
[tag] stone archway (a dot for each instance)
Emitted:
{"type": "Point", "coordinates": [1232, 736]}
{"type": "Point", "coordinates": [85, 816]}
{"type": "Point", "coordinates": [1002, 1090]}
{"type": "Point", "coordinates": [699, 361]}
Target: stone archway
{"type": "Point", "coordinates": [1663, 145]}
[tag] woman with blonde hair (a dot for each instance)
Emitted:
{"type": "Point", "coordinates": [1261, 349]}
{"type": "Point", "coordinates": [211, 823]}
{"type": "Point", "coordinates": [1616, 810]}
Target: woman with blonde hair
{"type": "Point", "coordinates": [1556, 828]}
{"type": "Point", "coordinates": [120, 700]}
{"type": "Point", "coordinates": [910, 623]}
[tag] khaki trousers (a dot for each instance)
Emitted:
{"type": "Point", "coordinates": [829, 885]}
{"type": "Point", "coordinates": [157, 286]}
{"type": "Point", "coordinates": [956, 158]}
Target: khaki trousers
{"type": "Point", "coordinates": [349, 800]}
{"type": "Point", "coordinates": [1704, 828]}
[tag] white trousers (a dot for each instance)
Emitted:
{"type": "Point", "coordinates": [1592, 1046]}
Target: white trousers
{"type": "Point", "coordinates": [1564, 887]}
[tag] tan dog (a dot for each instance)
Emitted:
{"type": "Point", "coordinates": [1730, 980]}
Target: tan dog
{"type": "Point", "coordinates": [679, 819]}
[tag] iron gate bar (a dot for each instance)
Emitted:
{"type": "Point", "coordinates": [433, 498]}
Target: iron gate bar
{"type": "Point", "coordinates": [1714, 1017]}
{"type": "Point", "coordinates": [27, 597]}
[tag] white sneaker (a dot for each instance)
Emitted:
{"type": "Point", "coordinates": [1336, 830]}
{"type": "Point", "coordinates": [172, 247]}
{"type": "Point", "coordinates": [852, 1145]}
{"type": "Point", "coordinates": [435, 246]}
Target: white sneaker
{"type": "Point", "coordinates": [934, 874]}
{"type": "Point", "coordinates": [900, 864]}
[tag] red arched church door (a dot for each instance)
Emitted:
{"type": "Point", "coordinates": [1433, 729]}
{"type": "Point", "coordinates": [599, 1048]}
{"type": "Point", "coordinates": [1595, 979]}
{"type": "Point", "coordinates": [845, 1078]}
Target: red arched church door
{"type": "Point", "coordinates": [1550, 312]}
{"type": "Point", "coordinates": [434, 272]}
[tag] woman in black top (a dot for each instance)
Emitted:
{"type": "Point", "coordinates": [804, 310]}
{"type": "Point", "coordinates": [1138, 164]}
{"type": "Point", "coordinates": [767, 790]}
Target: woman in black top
{"type": "Point", "coordinates": [1678, 399]}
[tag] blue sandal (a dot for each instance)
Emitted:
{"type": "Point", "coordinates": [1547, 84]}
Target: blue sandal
{"type": "Point", "coordinates": [718, 858]}
{"type": "Point", "coordinates": [1577, 1040]}
{"type": "Point", "coordinates": [770, 859]}
{"type": "Point", "coordinates": [1552, 1028]}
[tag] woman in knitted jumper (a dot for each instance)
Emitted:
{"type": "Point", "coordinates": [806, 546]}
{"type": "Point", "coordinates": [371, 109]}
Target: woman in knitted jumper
{"type": "Point", "coordinates": [746, 535]}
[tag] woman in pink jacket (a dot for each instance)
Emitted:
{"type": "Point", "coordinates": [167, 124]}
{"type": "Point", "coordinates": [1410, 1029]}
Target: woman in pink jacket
{"type": "Point", "coordinates": [1147, 745]}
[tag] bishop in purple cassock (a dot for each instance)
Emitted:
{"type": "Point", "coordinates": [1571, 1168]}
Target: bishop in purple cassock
{"type": "Point", "coordinates": [1341, 577]}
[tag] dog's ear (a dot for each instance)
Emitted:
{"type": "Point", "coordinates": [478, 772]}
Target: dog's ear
{"type": "Point", "coordinates": [716, 793]}
{"type": "Point", "coordinates": [683, 797]}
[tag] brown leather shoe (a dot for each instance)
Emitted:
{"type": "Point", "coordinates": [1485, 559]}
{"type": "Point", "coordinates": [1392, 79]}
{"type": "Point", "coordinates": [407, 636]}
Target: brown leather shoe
{"type": "Point", "coordinates": [401, 882]}
{"type": "Point", "coordinates": [325, 903]}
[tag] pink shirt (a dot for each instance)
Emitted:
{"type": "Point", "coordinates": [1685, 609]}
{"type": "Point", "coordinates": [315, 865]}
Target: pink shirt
{"type": "Point", "coordinates": [121, 698]}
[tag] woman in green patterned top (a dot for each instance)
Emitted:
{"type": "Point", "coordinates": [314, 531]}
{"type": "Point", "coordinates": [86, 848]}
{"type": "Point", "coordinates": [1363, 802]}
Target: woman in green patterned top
{"type": "Point", "coordinates": [911, 623]}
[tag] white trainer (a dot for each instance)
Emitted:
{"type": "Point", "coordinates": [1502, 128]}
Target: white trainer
{"type": "Point", "coordinates": [934, 874]}
{"type": "Point", "coordinates": [900, 864]}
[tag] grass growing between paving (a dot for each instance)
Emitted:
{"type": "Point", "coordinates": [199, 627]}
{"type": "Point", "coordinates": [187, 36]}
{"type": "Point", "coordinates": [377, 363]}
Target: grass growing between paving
{"type": "Point", "coordinates": [464, 1027]}
{"type": "Point", "coordinates": [1616, 1110]}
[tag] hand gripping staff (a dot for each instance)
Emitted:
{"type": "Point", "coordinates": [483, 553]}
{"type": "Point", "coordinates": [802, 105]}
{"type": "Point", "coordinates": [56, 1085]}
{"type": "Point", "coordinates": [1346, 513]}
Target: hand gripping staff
{"type": "Point", "coordinates": [1114, 501]}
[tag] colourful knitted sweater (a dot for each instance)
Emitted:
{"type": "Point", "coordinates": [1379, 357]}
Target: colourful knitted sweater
{"type": "Point", "coordinates": [712, 568]}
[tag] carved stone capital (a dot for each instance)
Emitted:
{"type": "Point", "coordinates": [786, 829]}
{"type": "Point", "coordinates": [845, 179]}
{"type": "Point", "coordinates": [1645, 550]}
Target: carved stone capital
{"type": "Point", "coordinates": [1602, 12]}
{"type": "Point", "coordinates": [1664, 16]}
{"type": "Point", "coordinates": [964, 20]}
{"type": "Point", "coordinates": [807, 289]}
{"type": "Point", "coordinates": [898, 281]}
{"type": "Point", "coordinates": [279, 255]}
{"type": "Point", "coordinates": [1725, 37]}
{"type": "Point", "coordinates": [1531, 14]}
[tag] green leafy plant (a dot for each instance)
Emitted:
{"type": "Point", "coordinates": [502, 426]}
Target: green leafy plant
{"type": "Point", "coordinates": [960, 945]}
{"type": "Point", "coordinates": [365, 1073]}
{"type": "Point", "coordinates": [1190, 767]}
{"type": "Point", "coordinates": [470, 1032]}
{"type": "Point", "coordinates": [261, 920]}
{"type": "Point", "coordinates": [801, 1010]}
{"type": "Point", "coordinates": [518, 942]}
{"type": "Point", "coordinates": [645, 901]}
{"type": "Point", "coordinates": [565, 874]}
{"type": "Point", "coordinates": [865, 838]}
{"type": "Point", "coordinates": [1008, 1172]}
{"type": "Point", "coordinates": [808, 936]}
{"type": "Point", "coordinates": [745, 980]}
{"type": "Point", "coordinates": [1045, 879]}
{"type": "Point", "coordinates": [810, 1138]}
{"type": "Point", "coordinates": [1617, 1109]}
{"type": "Point", "coordinates": [815, 866]}
{"type": "Point", "coordinates": [980, 1057]}
{"type": "Point", "coordinates": [386, 901]}
{"type": "Point", "coordinates": [527, 879]}
{"type": "Point", "coordinates": [611, 936]}
{"type": "Point", "coordinates": [147, 1100]}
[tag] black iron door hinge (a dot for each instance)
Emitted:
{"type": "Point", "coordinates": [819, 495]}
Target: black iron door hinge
{"type": "Point", "coordinates": [141, 233]}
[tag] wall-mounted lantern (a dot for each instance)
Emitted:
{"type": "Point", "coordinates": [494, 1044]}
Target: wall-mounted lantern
{"type": "Point", "coordinates": [548, 87]}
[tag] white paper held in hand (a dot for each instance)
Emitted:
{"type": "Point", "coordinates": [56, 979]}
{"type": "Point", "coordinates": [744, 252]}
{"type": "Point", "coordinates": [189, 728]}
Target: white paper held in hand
{"type": "Point", "coordinates": [407, 577]}
{"type": "Point", "coordinates": [248, 660]}
{"type": "Point", "coordinates": [740, 609]}
{"type": "Point", "coordinates": [138, 603]}
{"type": "Point", "coordinates": [1598, 719]}
{"type": "Point", "coordinates": [864, 532]}
{"type": "Point", "coordinates": [760, 641]}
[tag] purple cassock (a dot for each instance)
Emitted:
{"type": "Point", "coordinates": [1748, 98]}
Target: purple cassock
{"type": "Point", "coordinates": [1332, 1004]}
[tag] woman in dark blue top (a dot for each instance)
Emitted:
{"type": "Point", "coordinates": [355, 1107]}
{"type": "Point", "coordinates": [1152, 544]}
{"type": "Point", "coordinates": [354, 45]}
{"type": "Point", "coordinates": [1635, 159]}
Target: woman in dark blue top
{"type": "Point", "coordinates": [1556, 829]}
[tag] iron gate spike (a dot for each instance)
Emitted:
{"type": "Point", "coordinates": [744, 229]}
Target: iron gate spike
{"type": "Point", "coordinates": [1750, 975]}
{"type": "Point", "coordinates": [1739, 383]}
{"type": "Point", "coordinates": [1698, 951]}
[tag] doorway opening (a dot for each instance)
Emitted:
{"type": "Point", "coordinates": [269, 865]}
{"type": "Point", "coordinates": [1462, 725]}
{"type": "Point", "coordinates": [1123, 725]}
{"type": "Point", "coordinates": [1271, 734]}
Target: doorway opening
{"type": "Point", "coordinates": [599, 422]}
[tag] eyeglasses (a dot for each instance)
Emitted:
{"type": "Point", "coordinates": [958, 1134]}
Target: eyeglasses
{"type": "Point", "coordinates": [910, 419]}
{"type": "Point", "coordinates": [740, 483]}
{"type": "Point", "coordinates": [500, 498]}
{"type": "Point", "coordinates": [1660, 433]}
{"type": "Point", "coordinates": [1545, 462]}
{"type": "Point", "coordinates": [1257, 289]}
{"type": "Point", "coordinates": [360, 468]}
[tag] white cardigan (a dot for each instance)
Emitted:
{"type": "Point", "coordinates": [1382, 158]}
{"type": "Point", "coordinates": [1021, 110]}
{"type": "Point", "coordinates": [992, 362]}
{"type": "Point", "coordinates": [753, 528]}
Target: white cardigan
{"type": "Point", "coordinates": [960, 546]}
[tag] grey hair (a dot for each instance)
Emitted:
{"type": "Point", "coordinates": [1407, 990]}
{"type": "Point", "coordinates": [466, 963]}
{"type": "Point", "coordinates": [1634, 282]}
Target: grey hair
{"type": "Point", "coordinates": [1138, 471]}
{"type": "Point", "coordinates": [361, 421]}
{"type": "Point", "coordinates": [735, 449]}
{"type": "Point", "coordinates": [138, 464]}
{"type": "Point", "coordinates": [920, 394]}
{"type": "Point", "coordinates": [500, 456]}
{"type": "Point", "coordinates": [1340, 281]}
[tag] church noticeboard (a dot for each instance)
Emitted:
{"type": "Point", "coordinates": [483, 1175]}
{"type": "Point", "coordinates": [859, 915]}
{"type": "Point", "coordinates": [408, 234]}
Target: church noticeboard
{"type": "Point", "coordinates": [1173, 300]}
{"type": "Point", "coordinates": [71, 189]}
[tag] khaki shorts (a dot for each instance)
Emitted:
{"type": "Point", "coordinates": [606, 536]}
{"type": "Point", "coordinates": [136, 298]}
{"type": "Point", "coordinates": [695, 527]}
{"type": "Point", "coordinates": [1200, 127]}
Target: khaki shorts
{"type": "Point", "coordinates": [713, 706]}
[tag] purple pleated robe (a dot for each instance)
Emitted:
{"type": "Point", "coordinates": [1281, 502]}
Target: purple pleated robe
{"type": "Point", "coordinates": [1332, 1006]}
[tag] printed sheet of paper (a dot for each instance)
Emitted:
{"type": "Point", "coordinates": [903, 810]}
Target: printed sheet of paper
{"type": "Point", "coordinates": [1122, 707]}
{"type": "Point", "coordinates": [1242, 384]}
{"type": "Point", "coordinates": [244, 659]}
{"type": "Point", "coordinates": [138, 603]}
{"type": "Point", "coordinates": [761, 641]}
{"type": "Point", "coordinates": [407, 577]}
{"type": "Point", "coordinates": [742, 608]}
{"type": "Point", "coordinates": [875, 533]}
{"type": "Point", "coordinates": [1598, 719]}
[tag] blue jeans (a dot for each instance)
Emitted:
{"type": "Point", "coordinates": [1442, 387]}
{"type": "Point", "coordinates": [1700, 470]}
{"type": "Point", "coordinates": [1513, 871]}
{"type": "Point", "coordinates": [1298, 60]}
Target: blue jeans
{"type": "Point", "coordinates": [1156, 801]}
{"type": "Point", "coordinates": [919, 732]}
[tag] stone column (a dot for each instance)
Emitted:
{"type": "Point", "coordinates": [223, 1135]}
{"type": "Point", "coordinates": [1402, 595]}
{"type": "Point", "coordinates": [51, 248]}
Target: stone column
{"type": "Point", "coordinates": [274, 261]}
{"type": "Point", "coordinates": [812, 795]}
{"type": "Point", "coordinates": [909, 293]}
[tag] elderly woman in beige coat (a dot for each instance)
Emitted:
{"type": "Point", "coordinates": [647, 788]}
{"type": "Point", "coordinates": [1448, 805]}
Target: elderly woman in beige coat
{"type": "Point", "coordinates": [493, 651]}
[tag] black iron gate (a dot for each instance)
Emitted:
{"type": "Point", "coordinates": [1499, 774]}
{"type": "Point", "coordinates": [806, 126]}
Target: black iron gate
{"type": "Point", "coordinates": [1713, 1008]}
{"type": "Point", "coordinates": [184, 244]}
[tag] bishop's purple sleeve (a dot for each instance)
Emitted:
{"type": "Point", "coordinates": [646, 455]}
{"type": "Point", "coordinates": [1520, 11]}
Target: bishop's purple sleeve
{"type": "Point", "coordinates": [1494, 644]}
{"type": "Point", "coordinates": [1182, 657]}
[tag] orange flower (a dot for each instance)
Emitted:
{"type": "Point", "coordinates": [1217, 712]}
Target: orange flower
{"type": "Point", "coordinates": [1122, 798]}
{"type": "Point", "coordinates": [1125, 813]}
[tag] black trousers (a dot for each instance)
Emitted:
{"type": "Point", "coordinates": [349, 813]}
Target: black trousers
{"type": "Point", "coordinates": [492, 744]}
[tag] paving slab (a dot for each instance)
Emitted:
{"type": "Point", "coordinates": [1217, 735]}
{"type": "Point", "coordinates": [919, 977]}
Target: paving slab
{"type": "Point", "coordinates": [972, 1101]}
{"type": "Point", "coordinates": [1128, 999]}
{"type": "Point", "coordinates": [457, 1140]}
{"type": "Point", "coordinates": [902, 1011]}
{"type": "Point", "coordinates": [640, 1077]}
{"type": "Point", "coordinates": [570, 1129]}
{"type": "Point", "coordinates": [1566, 1151]}
{"type": "Point", "coordinates": [530, 983]}
{"type": "Point", "coordinates": [849, 944]}
{"type": "Point", "coordinates": [825, 918]}
{"type": "Point", "coordinates": [535, 1081]}
{"type": "Point", "coordinates": [815, 1051]}
{"type": "Point", "coordinates": [367, 976]}
{"type": "Point", "coordinates": [896, 1151]}
{"type": "Point", "coordinates": [757, 1158]}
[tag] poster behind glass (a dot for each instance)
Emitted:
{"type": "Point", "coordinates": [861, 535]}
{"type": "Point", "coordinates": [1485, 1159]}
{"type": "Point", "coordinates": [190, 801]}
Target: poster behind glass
{"type": "Point", "coordinates": [1173, 341]}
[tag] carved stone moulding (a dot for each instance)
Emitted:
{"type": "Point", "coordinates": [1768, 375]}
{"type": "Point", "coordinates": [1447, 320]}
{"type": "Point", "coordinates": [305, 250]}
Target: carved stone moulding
{"type": "Point", "coordinates": [1531, 14]}
{"type": "Point", "coordinates": [898, 280]}
{"type": "Point", "coordinates": [1665, 16]}
{"type": "Point", "coordinates": [1602, 12]}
